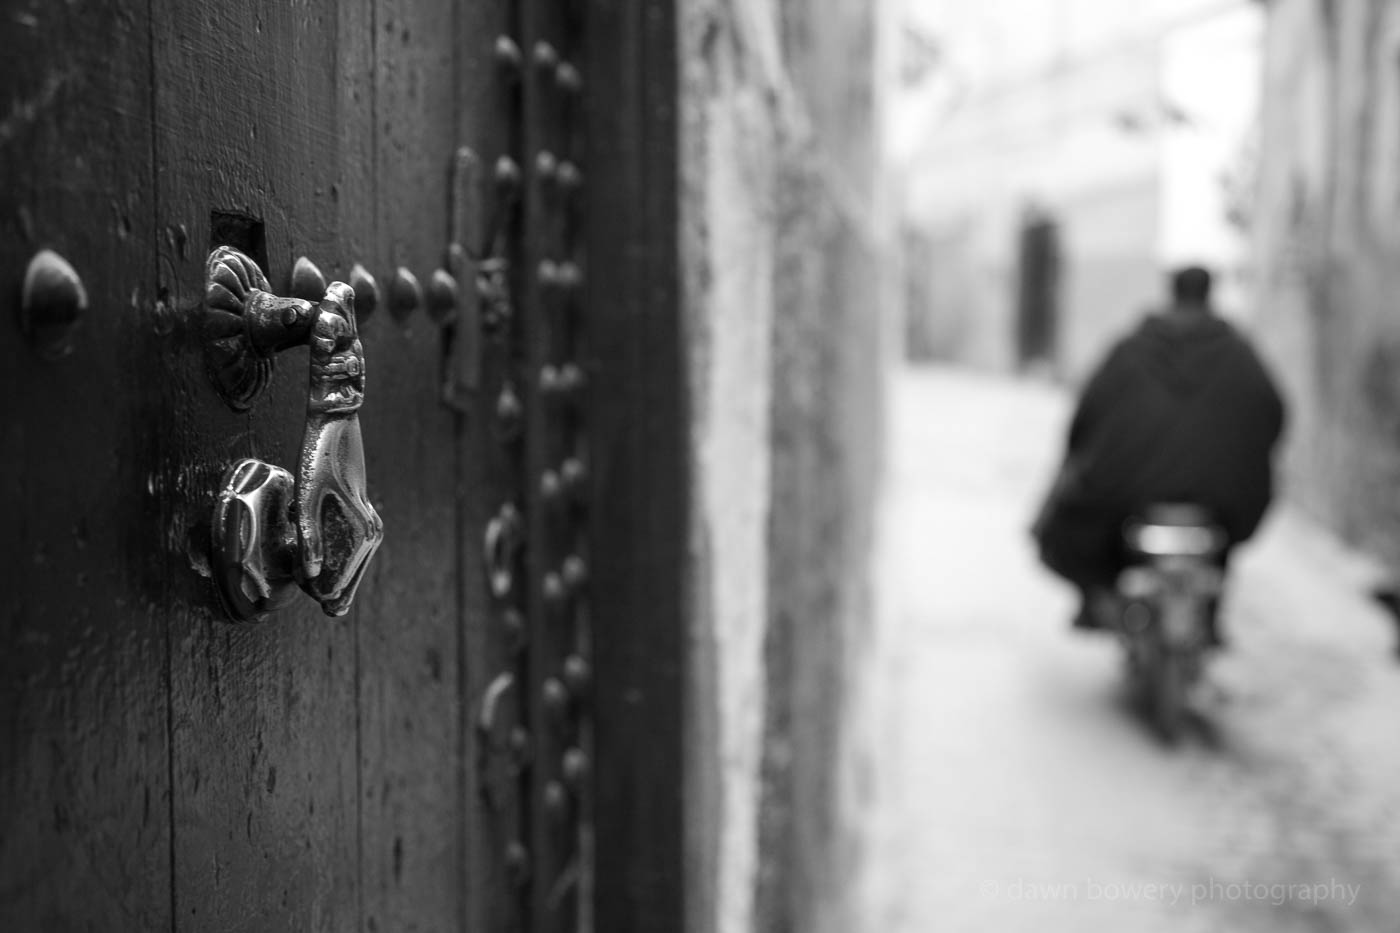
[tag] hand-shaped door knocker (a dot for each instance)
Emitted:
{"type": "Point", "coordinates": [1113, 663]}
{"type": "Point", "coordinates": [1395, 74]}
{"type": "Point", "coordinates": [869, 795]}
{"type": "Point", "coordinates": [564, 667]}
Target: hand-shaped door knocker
{"type": "Point", "coordinates": [272, 532]}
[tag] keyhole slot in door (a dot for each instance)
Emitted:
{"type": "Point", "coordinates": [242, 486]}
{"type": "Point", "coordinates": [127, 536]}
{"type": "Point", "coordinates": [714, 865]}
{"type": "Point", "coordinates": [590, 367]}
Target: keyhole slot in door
{"type": "Point", "coordinates": [243, 232]}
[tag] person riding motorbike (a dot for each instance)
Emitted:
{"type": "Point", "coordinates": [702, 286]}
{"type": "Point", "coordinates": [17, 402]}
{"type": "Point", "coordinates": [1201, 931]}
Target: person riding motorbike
{"type": "Point", "coordinates": [1182, 409]}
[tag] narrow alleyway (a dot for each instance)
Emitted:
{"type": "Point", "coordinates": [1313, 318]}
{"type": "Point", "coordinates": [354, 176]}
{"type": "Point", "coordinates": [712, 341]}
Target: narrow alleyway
{"type": "Point", "coordinates": [1015, 789]}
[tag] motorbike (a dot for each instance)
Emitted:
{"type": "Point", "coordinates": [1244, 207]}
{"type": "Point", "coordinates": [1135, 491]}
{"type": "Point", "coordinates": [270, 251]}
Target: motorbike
{"type": "Point", "coordinates": [1168, 593]}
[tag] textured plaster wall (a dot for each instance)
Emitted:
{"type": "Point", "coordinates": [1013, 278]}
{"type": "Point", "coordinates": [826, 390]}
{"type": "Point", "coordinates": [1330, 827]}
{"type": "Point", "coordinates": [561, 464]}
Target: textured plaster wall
{"type": "Point", "coordinates": [1327, 230]}
{"type": "Point", "coordinates": [783, 308]}
{"type": "Point", "coordinates": [729, 144]}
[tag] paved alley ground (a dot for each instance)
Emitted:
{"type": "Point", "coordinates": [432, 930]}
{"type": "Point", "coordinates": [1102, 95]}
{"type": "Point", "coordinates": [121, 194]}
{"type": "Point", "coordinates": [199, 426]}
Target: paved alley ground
{"type": "Point", "coordinates": [1014, 787]}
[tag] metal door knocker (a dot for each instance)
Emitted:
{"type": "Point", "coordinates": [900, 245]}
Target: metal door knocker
{"type": "Point", "coordinates": [272, 533]}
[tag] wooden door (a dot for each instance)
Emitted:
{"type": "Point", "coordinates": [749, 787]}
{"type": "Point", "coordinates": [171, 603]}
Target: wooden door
{"type": "Point", "coordinates": [491, 738]}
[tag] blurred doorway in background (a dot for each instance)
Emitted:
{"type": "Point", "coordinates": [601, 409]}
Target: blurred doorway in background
{"type": "Point", "coordinates": [1037, 291]}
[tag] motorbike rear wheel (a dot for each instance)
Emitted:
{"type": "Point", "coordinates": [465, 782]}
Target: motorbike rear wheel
{"type": "Point", "coordinates": [1168, 699]}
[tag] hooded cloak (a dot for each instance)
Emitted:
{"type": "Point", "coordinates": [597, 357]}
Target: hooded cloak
{"type": "Point", "coordinates": [1181, 410]}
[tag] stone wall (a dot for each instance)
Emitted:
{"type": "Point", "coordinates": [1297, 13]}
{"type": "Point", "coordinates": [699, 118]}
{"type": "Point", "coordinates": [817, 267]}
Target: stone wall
{"type": "Point", "coordinates": [1327, 230]}
{"type": "Point", "coordinates": [784, 302]}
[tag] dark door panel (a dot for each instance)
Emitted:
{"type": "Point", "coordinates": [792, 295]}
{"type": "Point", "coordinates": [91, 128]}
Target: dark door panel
{"type": "Point", "coordinates": [408, 621]}
{"type": "Point", "coordinates": [255, 140]}
{"type": "Point", "coordinates": [427, 761]}
{"type": "Point", "coordinates": [84, 801]}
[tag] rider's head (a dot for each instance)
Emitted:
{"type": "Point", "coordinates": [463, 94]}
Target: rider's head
{"type": "Point", "coordinates": [1191, 286]}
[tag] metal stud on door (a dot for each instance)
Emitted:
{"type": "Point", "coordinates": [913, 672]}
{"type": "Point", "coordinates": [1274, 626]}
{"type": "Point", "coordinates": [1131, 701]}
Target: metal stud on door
{"type": "Point", "coordinates": [529, 282]}
{"type": "Point", "coordinates": [556, 457]}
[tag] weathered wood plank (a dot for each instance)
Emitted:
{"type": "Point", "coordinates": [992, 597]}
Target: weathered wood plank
{"type": "Point", "coordinates": [256, 116]}
{"type": "Point", "coordinates": [638, 440]}
{"type": "Point", "coordinates": [84, 818]}
{"type": "Point", "coordinates": [411, 758]}
{"type": "Point", "coordinates": [491, 474]}
{"type": "Point", "coordinates": [552, 313]}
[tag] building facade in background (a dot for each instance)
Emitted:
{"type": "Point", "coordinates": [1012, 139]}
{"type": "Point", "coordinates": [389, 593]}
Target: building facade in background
{"type": "Point", "coordinates": [1056, 158]}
